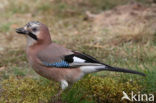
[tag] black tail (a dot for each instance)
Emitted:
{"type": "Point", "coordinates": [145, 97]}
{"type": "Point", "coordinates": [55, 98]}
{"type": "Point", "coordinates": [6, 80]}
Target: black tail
{"type": "Point", "coordinates": [116, 69]}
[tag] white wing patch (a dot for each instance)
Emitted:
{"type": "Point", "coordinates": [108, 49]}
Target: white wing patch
{"type": "Point", "coordinates": [90, 69]}
{"type": "Point", "coordinates": [76, 59]}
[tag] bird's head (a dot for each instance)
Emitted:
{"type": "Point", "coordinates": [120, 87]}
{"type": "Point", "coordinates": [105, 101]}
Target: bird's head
{"type": "Point", "coordinates": [36, 32]}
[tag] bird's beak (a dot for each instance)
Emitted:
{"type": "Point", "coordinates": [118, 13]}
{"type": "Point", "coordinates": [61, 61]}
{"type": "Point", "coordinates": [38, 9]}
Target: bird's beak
{"type": "Point", "coordinates": [21, 31]}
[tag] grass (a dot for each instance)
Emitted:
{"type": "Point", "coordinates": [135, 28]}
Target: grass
{"type": "Point", "coordinates": [5, 27]}
{"type": "Point", "coordinates": [121, 46]}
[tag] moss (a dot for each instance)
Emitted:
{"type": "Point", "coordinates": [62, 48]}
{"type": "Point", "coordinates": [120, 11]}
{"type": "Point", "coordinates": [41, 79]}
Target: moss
{"type": "Point", "coordinates": [101, 90]}
{"type": "Point", "coordinates": [91, 89]}
{"type": "Point", "coordinates": [26, 90]}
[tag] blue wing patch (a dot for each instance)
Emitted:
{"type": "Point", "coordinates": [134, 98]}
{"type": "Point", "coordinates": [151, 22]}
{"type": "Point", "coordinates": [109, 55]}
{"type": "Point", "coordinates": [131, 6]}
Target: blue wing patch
{"type": "Point", "coordinates": [57, 64]}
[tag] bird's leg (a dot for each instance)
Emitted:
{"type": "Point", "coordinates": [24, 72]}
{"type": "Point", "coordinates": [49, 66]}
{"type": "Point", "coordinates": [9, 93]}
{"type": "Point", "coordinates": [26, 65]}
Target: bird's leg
{"type": "Point", "coordinates": [58, 95]}
{"type": "Point", "coordinates": [56, 98]}
{"type": "Point", "coordinates": [69, 87]}
{"type": "Point", "coordinates": [64, 85]}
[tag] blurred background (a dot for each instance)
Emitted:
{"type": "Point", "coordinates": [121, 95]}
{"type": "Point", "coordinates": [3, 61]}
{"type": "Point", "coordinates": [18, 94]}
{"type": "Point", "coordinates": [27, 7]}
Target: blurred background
{"type": "Point", "coordinates": [117, 32]}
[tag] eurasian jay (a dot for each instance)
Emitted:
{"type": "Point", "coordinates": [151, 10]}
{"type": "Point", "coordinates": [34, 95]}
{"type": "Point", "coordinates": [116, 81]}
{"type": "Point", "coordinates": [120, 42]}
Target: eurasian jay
{"type": "Point", "coordinates": [55, 62]}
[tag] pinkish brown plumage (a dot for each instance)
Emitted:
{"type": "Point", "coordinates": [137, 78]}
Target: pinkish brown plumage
{"type": "Point", "coordinates": [57, 63]}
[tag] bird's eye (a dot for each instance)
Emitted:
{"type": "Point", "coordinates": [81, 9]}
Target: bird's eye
{"type": "Point", "coordinates": [34, 29]}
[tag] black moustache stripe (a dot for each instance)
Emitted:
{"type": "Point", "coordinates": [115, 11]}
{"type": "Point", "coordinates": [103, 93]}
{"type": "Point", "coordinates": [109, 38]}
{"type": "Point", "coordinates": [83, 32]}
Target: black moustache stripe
{"type": "Point", "coordinates": [33, 36]}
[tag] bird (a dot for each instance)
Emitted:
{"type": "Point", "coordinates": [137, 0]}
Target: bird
{"type": "Point", "coordinates": [57, 63]}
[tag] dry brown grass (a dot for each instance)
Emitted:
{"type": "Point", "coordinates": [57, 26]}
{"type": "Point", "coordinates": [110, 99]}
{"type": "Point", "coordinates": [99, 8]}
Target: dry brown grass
{"type": "Point", "coordinates": [89, 36]}
{"type": "Point", "coordinates": [127, 23]}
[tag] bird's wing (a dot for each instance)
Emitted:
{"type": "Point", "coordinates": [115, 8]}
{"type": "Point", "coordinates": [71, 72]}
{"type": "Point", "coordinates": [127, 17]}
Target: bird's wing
{"type": "Point", "coordinates": [81, 59]}
{"type": "Point", "coordinates": [58, 56]}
